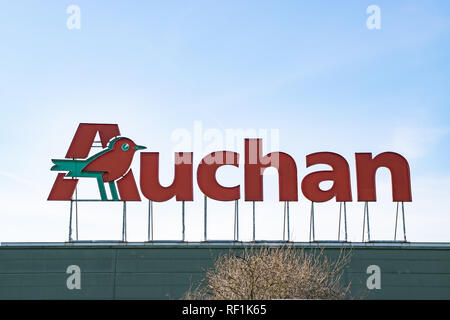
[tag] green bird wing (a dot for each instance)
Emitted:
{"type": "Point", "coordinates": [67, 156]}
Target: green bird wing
{"type": "Point", "coordinates": [74, 168]}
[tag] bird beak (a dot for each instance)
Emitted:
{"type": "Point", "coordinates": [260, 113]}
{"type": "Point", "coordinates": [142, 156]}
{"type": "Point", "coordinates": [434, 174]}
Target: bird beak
{"type": "Point", "coordinates": [139, 148]}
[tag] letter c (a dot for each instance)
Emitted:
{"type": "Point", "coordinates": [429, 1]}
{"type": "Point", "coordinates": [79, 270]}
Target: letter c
{"type": "Point", "coordinates": [206, 176]}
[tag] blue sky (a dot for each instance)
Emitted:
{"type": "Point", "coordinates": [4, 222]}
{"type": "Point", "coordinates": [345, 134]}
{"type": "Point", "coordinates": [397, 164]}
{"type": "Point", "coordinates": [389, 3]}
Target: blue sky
{"type": "Point", "coordinates": [310, 69]}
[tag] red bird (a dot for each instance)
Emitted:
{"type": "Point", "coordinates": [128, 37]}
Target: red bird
{"type": "Point", "coordinates": [107, 165]}
{"type": "Point", "coordinates": [114, 162]}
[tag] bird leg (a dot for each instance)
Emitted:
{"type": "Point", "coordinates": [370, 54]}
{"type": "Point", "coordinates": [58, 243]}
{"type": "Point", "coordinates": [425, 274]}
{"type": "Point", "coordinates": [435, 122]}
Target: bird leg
{"type": "Point", "coordinates": [112, 187]}
{"type": "Point", "coordinates": [101, 188]}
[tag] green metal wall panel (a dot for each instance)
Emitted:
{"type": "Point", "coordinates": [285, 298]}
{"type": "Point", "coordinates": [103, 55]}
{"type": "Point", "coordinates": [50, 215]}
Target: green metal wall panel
{"type": "Point", "coordinates": [167, 271]}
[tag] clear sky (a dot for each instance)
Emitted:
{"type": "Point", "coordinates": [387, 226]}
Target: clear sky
{"type": "Point", "coordinates": [309, 70]}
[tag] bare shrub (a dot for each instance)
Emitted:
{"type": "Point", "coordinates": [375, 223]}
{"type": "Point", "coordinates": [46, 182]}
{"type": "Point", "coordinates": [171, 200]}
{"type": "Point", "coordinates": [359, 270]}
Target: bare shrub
{"type": "Point", "coordinates": [274, 273]}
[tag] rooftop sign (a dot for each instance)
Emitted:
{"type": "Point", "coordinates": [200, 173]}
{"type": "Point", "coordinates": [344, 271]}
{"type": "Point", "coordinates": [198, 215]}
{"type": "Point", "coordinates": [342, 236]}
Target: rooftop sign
{"type": "Point", "coordinates": [111, 167]}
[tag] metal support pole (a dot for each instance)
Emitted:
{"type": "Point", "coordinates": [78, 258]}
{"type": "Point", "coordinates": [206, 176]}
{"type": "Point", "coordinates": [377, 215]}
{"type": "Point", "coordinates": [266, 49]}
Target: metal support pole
{"type": "Point", "coordinates": [396, 219]}
{"type": "Point", "coordinates": [311, 224]}
{"type": "Point", "coordinates": [345, 221]}
{"type": "Point", "coordinates": [182, 222]}
{"type": "Point", "coordinates": [254, 222]}
{"type": "Point", "coordinates": [364, 221]}
{"type": "Point", "coordinates": [286, 223]}
{"type": "Point", "coordinates": [205, 211]}
{"type": "Point", "coordinates": [70, 221]}
{"type": "Point", "coordinates": [339, 225]}
{"type": "Point", "coordinates": [366, 212]}
{"type": "Point", "coordinates": [342, 205]}
{"type": "Point", "coordinates": [150, 221]}
{"type": "Point", "coordinates": [368, 224]}
{"type": "Point", "coordinates": [236, 220]}
{"type": "Point", "coordinates": [76, 213]}
{"type": "Point", "coordinates": [124, 222]}
{"type": "Point", "coordinates": [404, 223]}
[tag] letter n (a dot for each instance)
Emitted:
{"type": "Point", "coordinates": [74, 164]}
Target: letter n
{"type": "Point", "coordinates": [366, 168]}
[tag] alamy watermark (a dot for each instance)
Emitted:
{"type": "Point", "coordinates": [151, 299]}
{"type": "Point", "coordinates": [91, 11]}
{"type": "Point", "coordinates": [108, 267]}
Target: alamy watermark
{"type": "Point", "coordinates": [374, 280]}
{"type": "Point", "coordinates": [373, 22]}
{"type": "Point", "coordinates": [73, 281]}
{"type": "Point", "coordinates": [203, 141]}
{"type": "Point", "coordinates": [74, 20]}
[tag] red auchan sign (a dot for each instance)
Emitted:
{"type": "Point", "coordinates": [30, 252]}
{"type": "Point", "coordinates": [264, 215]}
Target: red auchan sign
{"type": "Point", "coordinates": [111, 167]}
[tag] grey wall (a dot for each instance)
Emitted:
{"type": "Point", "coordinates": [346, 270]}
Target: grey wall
{"type": "Point", "coordinates": [166, 271]}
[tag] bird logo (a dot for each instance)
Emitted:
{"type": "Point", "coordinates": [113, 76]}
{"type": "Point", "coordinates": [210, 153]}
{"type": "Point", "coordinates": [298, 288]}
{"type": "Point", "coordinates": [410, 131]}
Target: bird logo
{"type": "Point", "coordinates": [106, 166]}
